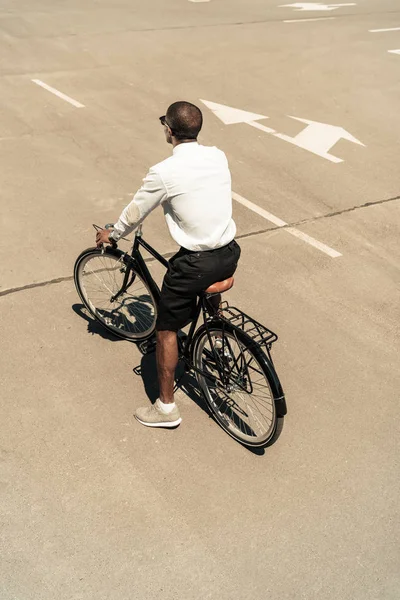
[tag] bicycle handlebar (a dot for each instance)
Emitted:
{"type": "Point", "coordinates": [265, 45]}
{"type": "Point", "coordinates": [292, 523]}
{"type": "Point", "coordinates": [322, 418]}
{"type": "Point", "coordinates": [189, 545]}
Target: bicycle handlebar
{"type": "Point", "coordinates": [138, 232]}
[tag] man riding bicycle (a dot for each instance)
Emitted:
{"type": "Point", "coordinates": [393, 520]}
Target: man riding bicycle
{"type": "Point", "coordinates": [194, 188]}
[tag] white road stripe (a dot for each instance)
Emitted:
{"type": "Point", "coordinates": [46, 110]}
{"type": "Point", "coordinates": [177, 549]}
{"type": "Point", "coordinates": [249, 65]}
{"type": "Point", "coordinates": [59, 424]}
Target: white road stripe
{"type": "Point", "coordinates": [382, 30]}
{"type": "Point", "coordinates": [292, 230]}
{"type": "Point", "coordinates": [394, 51]}
{"type": "Point", "coordinates": [306, 20]}
{"type": "Point", "coordinates": [59, 94]}
{"type": "Point", "coordinates": [258, 125]}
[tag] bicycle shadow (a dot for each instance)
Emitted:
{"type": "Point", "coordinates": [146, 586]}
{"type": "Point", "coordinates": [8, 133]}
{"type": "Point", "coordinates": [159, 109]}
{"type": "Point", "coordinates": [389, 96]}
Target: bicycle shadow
{"type": "Point", "coordinates": [93, 326]}
{"type": "Point", "coordinates": [185, 382]}
{"type": "Point", "coordinates": [147, 369]}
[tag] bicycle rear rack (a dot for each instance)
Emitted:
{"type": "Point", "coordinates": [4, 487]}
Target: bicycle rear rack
{"type": "Point", "coordinates": [258, 333]}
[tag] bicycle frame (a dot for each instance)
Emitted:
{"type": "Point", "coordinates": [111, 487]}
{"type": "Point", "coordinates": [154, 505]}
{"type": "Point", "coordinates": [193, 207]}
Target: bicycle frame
{"type": "Point", "coordinates": [230, 324]}
{"type": "Point", "coordinates": [135, 262]}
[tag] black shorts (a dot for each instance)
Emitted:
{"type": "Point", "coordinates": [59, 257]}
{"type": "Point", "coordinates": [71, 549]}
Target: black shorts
{"type": "Point", "coordinates": [190, 273]}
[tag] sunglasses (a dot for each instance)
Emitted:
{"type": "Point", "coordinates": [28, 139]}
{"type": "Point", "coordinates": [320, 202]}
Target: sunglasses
{"type": "Point", "coordinates": [163, 121]}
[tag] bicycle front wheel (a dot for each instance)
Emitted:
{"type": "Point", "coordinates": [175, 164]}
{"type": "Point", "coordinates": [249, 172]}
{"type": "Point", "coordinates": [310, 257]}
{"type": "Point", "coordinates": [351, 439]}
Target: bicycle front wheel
{"type": "Point", "coordinates": [115, 294]}
{"type": "Point", "coordinates": [243, 400]}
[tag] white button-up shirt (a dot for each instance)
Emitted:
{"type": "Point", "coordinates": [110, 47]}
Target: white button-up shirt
{"type": "Point", "coordinates": [194, 187]}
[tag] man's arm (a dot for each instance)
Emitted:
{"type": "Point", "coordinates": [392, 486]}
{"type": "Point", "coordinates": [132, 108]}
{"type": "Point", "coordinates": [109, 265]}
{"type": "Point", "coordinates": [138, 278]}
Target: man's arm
{"type": "Point", "coordinates": [146, 199]}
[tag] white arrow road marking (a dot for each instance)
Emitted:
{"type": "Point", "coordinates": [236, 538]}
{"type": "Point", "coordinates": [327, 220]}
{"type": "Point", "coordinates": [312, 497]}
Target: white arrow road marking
{"type": "Point", "coordinates": [59, 94]}
{"type": "Point", "coordinates": [382, 30]}
{"type": "Point", "coordinates": [394, 51]}
{"type": "Point", "coordinates": [319, 138]}
{"type": "Point", "coordinates": [315, 6]}
{"type": "Point", "coordinates": [292, 230]}
{"type": "Point", "coordinates": [230, 116]}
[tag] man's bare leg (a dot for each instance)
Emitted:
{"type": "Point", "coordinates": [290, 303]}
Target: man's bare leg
{"type": "Point", "coordinates": [164, 412]}
{"type": "Point", "coordinates": [167, 360]}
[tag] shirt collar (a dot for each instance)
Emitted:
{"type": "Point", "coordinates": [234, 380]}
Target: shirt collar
{"type": "Point", "coordinates": [186, 146]}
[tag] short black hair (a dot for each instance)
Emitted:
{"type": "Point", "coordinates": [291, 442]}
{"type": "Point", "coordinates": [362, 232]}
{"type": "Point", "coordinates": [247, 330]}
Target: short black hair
{"type": "Point", "coordinates": [185, 120]}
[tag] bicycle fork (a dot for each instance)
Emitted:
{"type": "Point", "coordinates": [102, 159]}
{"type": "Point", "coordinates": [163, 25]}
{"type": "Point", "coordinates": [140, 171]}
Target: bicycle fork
{"type": "Point", "coordinates": [125, 283]}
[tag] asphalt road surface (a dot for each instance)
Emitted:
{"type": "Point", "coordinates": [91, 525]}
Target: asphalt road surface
{"type": "Point", "coordinates": [94, 506]}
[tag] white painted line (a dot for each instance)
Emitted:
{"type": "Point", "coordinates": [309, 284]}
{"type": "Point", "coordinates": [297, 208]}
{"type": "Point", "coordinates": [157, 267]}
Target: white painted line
{"type": "Point", "coordinates": [394, 51]}
{"type": "Point", "coordinates": [199, 0]}
{"type": "Point", "coordinates": [306, 20]}
{"type": "Point", "coordinates": [257, 209]}
{"type": "Point", "coordinates": [314, 6]}
{"type": "Point", "coordinates": [261, 127]}
{"type": "Point", "coordinates": [292, 230]}
{"type": "Point", "coordinates": [382, 30]}
{"type": "Point", "coordinates": [59, 94]}
{"type": "Point", "coordinates": [313, 242]}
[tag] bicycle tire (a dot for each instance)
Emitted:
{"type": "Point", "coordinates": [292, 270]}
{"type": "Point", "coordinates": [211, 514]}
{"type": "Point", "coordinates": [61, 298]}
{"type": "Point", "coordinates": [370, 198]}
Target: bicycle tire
{"type": "Point", "coordinates": [237, 426]}
{"type": "Point", "coordinates": [130, 317]}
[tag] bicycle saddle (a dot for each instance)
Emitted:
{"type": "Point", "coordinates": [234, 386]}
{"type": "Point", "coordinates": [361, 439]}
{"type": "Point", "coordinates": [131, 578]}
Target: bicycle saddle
{"type": "Point", "coordinates": [220, 286]}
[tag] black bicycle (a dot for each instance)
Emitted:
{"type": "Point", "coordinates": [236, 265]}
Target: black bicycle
{"type": "Point", "coordinates": [230, 353]}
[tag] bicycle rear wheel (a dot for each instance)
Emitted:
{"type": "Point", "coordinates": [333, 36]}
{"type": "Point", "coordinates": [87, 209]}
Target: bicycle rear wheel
{"type": "Point", "coordinates": [244, 402]}
{"type": "Point", "coordinates": [99, 276]}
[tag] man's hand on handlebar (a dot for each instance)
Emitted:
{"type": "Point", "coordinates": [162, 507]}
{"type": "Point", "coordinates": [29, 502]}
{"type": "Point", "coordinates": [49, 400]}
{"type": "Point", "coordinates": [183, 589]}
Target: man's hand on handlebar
{"type": "Point", "coordinates": [102, 237]}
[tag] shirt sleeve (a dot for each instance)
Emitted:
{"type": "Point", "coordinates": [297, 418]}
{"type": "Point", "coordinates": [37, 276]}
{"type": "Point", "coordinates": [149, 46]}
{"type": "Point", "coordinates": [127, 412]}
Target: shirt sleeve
{"type": "Point", "coordinates": [147, 198]}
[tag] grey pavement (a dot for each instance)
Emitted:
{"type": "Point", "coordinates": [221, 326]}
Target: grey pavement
{"type": "Point", "coordinates": [92, 504]}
